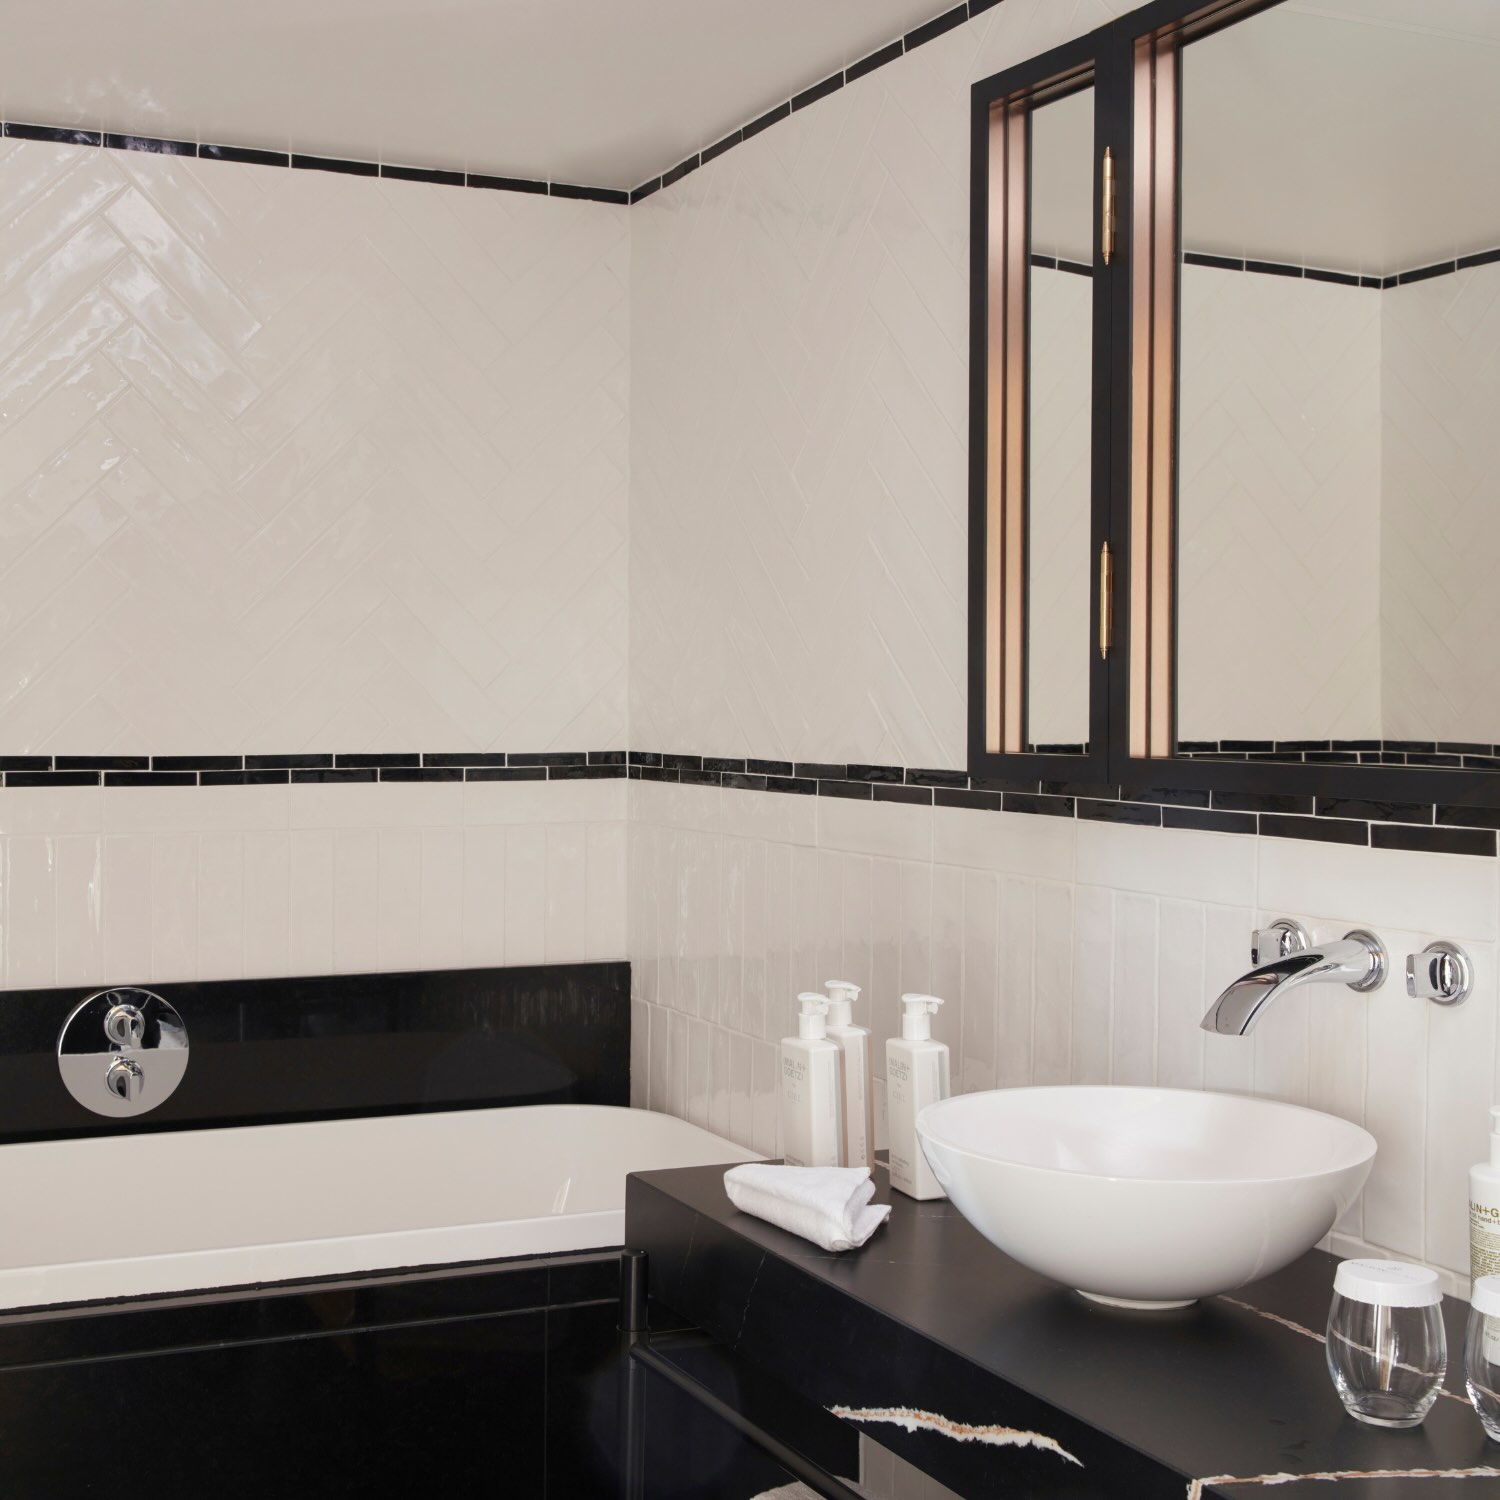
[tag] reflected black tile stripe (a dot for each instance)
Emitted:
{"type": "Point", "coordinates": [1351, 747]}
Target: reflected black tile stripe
{"type": "Point", "coordinates": [506, 773]}
{"type": "Point", "coordinates": [344, 774]}
{"type": "Point", "coordinates": [1146, 814]}
{"type": "Point", "coordinates": [505, 184]}
{"type": "Point", "coordinates": [101, 762]}
{"type": "Point", "coordinates": [918, 795]}
{"type": "Point", "coordinates": [422, 773]}
{"type": "Point", "coordinates": [245, 155]}
{"type": "Point", "coordinates": [25, 762]}
{"type": "Point", "coordinates": [244, 778]}
{"type": "Point", "coordinates": [151, 778]}
{"type": "Point", "coordinates": [289, 762]}
{"type": "Point", "coordinates": [1323, 830]}
{"type": "Point", "coordinates": [872, 61]}
{"type": "Point", "coordinates": [1478, 841]}
{"type": "Point", "coordinates": [680, 171]}
{"type": "Point", "coordinates": [855, 790]}
{"type": "Point", "coordinates": [360, 761]}
{"type": "Point", "coordinates": [156, 145]}
{"type": "Point", "coordinates": [52, 778]}
{"type": "Point", "coordinates": [1207, 821]}
{"type": "Point", "coordinates": [821, 90]}
{"type": "Point", "coordinates": [936, 27]}
{"type": "Point", "coordinates": [422, 174]}
{"type": "Point", "coordinates": [1374, 812]}
{"type": "Point", "coordinates": [336, 164]}
{"type": "Point", "coordinates": [720, 147]}
{"type": "Point", "coordinates": [464, 758]}
{"type": "Point", "coordinates": [768, 119]}
{"type": "Point", "coordinates": [60, 135]}
{"type": "Point", "coordinates": [590, 194]}
{"type": "Point", "coordinates": [196, 762]}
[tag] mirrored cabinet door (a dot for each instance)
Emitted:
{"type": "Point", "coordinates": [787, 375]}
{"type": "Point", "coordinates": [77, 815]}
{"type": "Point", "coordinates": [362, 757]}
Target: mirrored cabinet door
{"type": "Point", "coordinates": [1326, 390]}
{"type": "Point", "coordinates": [1037, 708]}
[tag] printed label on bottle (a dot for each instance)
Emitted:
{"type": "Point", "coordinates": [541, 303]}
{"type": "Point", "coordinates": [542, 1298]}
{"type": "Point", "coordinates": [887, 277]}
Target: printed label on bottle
{"type": "Point", "coordinates": [1491, 1342]}
{"type": "Point", "coordinates": [1484, 1239]}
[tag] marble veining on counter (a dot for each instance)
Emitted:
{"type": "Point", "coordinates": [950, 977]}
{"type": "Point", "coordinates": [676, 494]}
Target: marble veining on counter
{"type": "Point", "coordinates": [996, 1381]}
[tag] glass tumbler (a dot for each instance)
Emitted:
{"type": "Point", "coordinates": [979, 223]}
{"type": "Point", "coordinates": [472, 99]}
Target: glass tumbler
{"type": "Point", "coordinates": [1482, 1353]}
{"type": "Point", "coordinates": [1387, 1349]}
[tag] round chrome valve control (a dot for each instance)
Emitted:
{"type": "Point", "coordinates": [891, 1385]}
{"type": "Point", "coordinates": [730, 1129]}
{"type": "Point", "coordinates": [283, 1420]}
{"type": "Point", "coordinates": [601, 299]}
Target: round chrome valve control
{"type": "Point", "coordinates": [122, 1051]}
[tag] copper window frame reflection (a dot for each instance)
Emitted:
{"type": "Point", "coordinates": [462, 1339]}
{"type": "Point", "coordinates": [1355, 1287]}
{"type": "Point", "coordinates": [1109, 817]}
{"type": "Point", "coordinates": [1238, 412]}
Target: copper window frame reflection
{"type": "Point", "coordinates": [1008, 279]}
{"type": "Point", "coordinates": [1153, 368]}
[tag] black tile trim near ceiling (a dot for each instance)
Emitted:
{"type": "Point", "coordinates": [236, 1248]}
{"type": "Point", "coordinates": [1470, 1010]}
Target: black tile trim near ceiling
{"type": "Point", "coordinates": [1342, 820]}
{"type": "Point", "coordinates": [252, 156]}
{"type": "Point", "coordinates": [1340, 278]}
{"type": "Point", "coordinates": [954, 16]}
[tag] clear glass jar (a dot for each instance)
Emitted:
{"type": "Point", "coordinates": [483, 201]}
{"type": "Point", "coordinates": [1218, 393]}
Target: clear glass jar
{"type": "Point", "coordinates": [1387, 1349]}
{"type": "Point", "coordinates": [1482, 1353]}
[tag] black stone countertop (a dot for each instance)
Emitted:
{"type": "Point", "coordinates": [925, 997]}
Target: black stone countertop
{"type": "Point", "coordinates": [1227, 1398]}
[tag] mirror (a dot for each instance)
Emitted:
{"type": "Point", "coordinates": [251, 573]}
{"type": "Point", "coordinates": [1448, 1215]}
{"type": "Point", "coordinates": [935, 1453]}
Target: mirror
{"type": "Point", "coordinates": [1338, 489]}
{"type": "Point", "coordinates": [1059, 401]}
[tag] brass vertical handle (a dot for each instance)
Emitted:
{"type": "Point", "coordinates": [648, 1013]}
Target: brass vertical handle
{"type": "Point", "coordinates": [1106, 601]}
{"type": "Point", "coordinates": [1107, 208]}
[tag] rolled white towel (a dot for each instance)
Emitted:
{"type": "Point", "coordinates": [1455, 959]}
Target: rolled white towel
{"type": "Point", "coordinates": [828, 1205]}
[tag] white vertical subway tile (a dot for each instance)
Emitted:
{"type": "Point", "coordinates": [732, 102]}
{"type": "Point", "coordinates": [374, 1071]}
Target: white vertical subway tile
{"type": "Point", "coordinates": [855, 957]}
{"type": "Point", "coordinates": [806, 969]}
{"type": "Point", "coordinates": [356, 899]}
{"type": "Point", "coordinates": [1180, 1000]}
{"type": "Point", "coordinates": [1460, 1079]}
{"type": "Point", "coordinates": [1093, 966]}
{"type": "Point", "coordinates": [221, 906]}
{"type": "Point", "coordinates": [884, 1013]}
{"type": "Point", "coordinates": [733, 865]}
{"type": "Point", "coordinates": [753, 976]}
{"type": "Point", "coordinates": [128, 908]}
{"type": "Point", "coordinates": [916, 929]}
{"type": "Point", "coordinates": [659, 1093]}
{"type": "Point", "coordinates": [677, 1065]}
{"type": "Point", "coordinates": [440, 927]}
{"type": "Point", "coordinates": [640, 1055]}
{"type": "Point", "coordinates": [698, 1081]}
{"type": "Point", "coordinates": [267, 885]}
{"type": "Point", "coordinates": [741, 1091]}
{"type": "Point", "coordinates": [525, 895]}
{"type": "Point", "coordinates": [1396, 1094]}
{"type": "Point", "coordinates": [79, 910]}
{"type": "Point", "coordinates": [1134, 991]}
{"type": "Point", "coordinates": [765, 1098]}
{"type": "Point", "coordinates": [1228, 1061]}
{"type": "Point", "coordinates": [174, 906]}
{"type": "Point", "coordinates": [30, 877]}
{"type": "Point", "coordinates": [830, 918]}
{"type": "Point", "coordinates": [946, 976]}
{"type": "Point", "coordinates": [984, 991]}
{"type": "Point", "coordinates": [399, 898]}
{"type": "Point", "coordinates": [1052, 965]}
{"type": "Point", "coordinates": [566, 891]}
{"type": "Point", "coordinates": [1015, 989]}
{"type": "Point", "coordinates": [484, 896]}
{"type": "Point", "coordinates": [781, 987]}
{"type": "Point", "coordinates": [310, 908]}
{"type": "Point", "coordinates": [605, 910]}
{"type": "Point", "coordinates": [1280, 1044]}
{"type": "Point", "coordinates": [719, 1080]}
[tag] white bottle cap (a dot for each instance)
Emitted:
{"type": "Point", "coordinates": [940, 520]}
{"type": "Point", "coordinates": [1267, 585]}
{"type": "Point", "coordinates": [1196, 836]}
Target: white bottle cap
{"type": "Point", "coordinates": [917, 1012]}
{"type": "Point", "coordinates": [841, 997]}
{"type": "Point", "coordinates": [1486, 1297]}
{"type": "Point", "coordinates": [812, 1016]}
{"type": "Point", "coordinates": [1387, 1283]}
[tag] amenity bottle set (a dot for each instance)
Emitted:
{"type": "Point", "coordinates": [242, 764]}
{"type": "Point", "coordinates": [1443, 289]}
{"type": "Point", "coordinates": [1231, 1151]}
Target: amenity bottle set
{"type": "Point", "coordinates": [827, 1102]}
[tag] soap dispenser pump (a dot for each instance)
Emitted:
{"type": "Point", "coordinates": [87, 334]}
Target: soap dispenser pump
{"type": "Point", "coordinates": [812, 1132]}
{"type": "Point", "coordinates": [916, 1072]}
{"type": "Point", "coordinates": [854, 1044]}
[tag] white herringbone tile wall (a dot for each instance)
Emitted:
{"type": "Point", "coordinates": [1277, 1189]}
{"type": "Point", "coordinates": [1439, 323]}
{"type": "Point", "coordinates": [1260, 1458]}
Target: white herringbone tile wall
{"type": "Point", "coordinates": [799, 419]}
{"type": "Point", "coordinates": [295, 460]}
{"type": "Point", "coordinates": [1067, 951]}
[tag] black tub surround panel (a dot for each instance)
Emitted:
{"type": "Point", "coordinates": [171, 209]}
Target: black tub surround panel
{"type": "Point", "coordinates": [266, 1051]}
{"type": "Point", "coordinates": [998, 1382]}
{"type": "Point", "coordinates": [480, 1381]}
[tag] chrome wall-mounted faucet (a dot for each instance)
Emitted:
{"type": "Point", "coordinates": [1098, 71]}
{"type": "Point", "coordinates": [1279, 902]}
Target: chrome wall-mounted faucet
{"type": "Point", "coordinates": [1291, 960]}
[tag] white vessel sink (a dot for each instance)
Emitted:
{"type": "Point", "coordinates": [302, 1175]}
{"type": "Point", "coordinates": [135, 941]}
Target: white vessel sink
{"type": "Point", "coordinates": [1145, 1197]}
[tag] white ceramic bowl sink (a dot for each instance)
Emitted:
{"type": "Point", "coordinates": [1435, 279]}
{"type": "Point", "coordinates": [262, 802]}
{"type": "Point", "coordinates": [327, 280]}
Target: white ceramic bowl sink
{"type": "Point", "coordinates": [1141, 1196]}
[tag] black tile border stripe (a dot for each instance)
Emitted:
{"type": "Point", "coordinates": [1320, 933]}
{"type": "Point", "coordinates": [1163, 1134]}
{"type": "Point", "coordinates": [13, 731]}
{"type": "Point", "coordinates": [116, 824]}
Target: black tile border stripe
{"type": "Point", "coordinates": [256, 156]}
{"type": "Point", "coordinates": [1338, 278]}
{"type": "Point", "coordinates": [1374, 823]}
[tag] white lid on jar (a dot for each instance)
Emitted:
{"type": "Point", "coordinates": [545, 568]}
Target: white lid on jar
{"type": "Point", "coordinates": [1486, 1296]}
{"type": "Point", "coordinates": [1388, 1283]}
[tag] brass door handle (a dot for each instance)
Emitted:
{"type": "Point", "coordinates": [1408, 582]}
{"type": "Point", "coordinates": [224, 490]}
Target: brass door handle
{"type": "Point", "coordinates": [1106, 601]}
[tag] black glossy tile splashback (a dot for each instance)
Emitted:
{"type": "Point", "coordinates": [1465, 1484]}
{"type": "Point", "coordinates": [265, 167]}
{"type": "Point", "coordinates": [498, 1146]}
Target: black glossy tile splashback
{"type": "Point", "coordinates": [271, 1050]}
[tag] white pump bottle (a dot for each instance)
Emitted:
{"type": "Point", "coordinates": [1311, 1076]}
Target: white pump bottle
{"type": "Point", "coordinates": [812, 1133]}
{"type": "Point", "coordinates": [1484, 1208]}
{"type": "Point", "coordinates": [916, 1073]}
{"type": "Point", "coordinates": [854, 1043]}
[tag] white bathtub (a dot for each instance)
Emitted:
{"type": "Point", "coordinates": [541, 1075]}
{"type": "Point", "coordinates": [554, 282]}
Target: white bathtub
{"type": "Point", "coordinates": [124, 1215]}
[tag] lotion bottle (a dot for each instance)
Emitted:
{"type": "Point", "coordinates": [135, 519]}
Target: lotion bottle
{"type": "Point", "coordinates": [1484, 1208]}
{"type": "Point", "coordinates": [812, 1113]}
{"type": "Point", "coordinates": [916, 1074]}
{"type": "Point", "coordinates": [854, 1045]}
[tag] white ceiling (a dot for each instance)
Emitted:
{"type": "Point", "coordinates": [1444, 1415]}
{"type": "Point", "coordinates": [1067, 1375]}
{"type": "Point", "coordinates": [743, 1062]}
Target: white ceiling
{"type": "Point", "coordinates": [1354, 135]}
{"type": "Point", "coordinates": [602, 92]}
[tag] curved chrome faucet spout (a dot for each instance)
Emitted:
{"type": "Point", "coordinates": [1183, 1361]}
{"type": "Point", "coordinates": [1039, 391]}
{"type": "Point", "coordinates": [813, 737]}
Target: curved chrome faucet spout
{"type": "Point", "coordinates": [1358, 961]}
